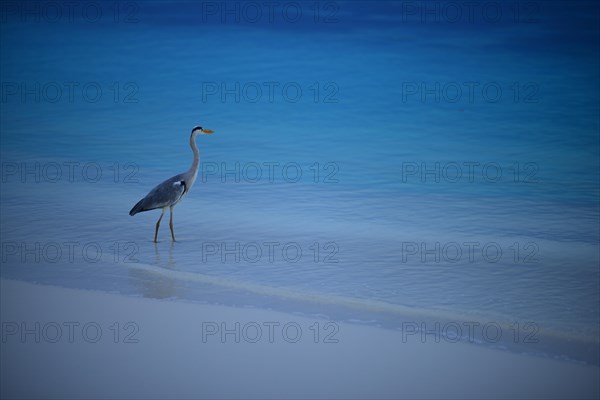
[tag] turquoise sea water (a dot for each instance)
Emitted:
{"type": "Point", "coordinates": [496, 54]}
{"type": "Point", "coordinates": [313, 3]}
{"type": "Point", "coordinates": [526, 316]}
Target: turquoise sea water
{"type": "Point", "coordinates": [370, 162]}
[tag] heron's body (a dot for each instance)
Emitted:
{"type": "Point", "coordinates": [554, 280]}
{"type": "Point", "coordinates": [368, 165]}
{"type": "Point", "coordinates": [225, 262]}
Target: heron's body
{"type": "Point", "coordinates": [171, 191]}
{"type": "Point", "coordinates": [167, 194]}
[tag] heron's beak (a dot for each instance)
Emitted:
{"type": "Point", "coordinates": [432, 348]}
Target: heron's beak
{"type": "Point", "coordinates": [207, 131]}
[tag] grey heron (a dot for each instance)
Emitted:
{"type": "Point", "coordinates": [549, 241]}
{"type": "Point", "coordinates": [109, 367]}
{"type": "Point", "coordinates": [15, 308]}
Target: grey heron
{"type": "Point", "coordinates": [171, 191]}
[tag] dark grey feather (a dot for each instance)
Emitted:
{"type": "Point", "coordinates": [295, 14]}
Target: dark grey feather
{"type": "Point", "coordinates": [166, 194]}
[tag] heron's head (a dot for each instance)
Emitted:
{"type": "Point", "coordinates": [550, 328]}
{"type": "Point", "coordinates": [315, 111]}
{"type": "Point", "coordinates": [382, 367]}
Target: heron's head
{"type": "Point", "coordinates": [198, 130]}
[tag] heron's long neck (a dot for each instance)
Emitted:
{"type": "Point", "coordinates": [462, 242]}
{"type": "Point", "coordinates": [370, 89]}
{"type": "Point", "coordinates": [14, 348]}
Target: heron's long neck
{"type": "Point", "coordinates": [194, 168]}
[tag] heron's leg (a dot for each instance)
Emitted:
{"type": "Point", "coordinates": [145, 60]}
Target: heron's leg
{"type": "Point", "coordinates": [171, 224]}
{"type": "Point", "coordinates": [158, 224]}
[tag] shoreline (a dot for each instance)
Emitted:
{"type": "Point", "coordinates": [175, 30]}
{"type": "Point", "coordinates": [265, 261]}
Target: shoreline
{"type": "Point", "coordinates": [517, 335]}
{"type": "Point", "coordinates": [116, 346]}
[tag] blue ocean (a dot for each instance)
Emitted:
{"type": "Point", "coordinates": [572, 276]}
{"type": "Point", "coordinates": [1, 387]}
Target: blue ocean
{"type": "Point", "coordinates": [379, 162]}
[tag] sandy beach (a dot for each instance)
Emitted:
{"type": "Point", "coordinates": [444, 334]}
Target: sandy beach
{"type": "Point", "coordinates": [65, 343]}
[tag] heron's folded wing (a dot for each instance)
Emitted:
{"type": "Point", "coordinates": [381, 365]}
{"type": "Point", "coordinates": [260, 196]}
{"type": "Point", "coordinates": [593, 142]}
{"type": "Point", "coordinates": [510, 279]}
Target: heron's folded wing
{"type": "Point", "coordinates": [164, 195]}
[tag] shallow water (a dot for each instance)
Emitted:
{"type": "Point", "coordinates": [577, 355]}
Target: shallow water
{"type": "Point", "coordinates": [373, 186]}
